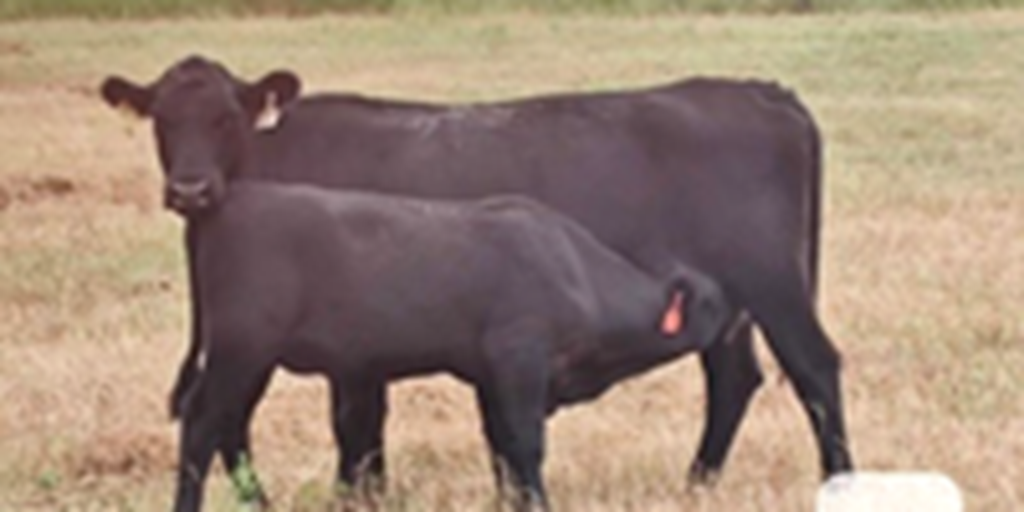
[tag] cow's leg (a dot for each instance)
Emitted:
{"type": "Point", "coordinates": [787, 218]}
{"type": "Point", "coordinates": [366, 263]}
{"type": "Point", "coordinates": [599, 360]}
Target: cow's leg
{"type": "Point", "coordinates": [236, 454]}
{"type": "Point", "coordinates": [219, 403]}
{"type": "Point", "coordinates": [731, 375]}
{"type": "Point", "coordinates": [786, 314]}
{"type": "Point", "coordinates": [359, 410]}
{"type": "Point", "coordinates": [513, 406]}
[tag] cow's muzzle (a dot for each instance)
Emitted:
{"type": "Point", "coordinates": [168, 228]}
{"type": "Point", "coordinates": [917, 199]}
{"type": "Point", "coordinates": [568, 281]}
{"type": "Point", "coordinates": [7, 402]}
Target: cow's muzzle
{"type": "Point", "coordinates": [190, 197]}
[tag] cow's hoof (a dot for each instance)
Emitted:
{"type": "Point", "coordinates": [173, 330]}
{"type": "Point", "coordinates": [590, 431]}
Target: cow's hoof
{"type": "Point", "coordinates": [702, 477]}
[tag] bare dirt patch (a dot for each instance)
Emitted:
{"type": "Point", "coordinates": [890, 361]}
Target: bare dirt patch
{"type": "Point", "coordinates": [9, 48]}
{"type": "Point", "coordinates": [36, 189]}
{"type": "Point", "coordinates": [122, 453]}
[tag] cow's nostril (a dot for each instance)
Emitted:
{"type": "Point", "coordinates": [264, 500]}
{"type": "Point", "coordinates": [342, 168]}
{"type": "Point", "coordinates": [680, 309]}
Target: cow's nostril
{"type": "Point", "coordinates": [189, 197]}
{"type": "Point", "coordinates": [190, 188]}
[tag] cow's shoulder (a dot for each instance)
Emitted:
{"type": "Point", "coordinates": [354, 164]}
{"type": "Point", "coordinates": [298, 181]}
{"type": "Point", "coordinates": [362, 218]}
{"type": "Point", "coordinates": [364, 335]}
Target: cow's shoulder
{"type": "Point", "coordinates": [525, 215]}
{"type": "Point", "coordinates": [530, 232]}
{"type": "Point", "coordinates": [512, 205]}
{"type": "Point", "coordinates": [333, 110]}
{"type": "Point", "coordinates": [517, 225]}
{"type": "Point", "coordinates": [545, 256]}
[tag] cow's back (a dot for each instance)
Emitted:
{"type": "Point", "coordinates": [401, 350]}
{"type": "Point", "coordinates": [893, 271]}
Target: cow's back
{"type": "Point", "coordinates": [695, 169]}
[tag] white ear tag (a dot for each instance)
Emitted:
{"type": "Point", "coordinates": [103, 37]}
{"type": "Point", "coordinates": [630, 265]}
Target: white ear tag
{"type": "Point", "coordinates": [269, 116]}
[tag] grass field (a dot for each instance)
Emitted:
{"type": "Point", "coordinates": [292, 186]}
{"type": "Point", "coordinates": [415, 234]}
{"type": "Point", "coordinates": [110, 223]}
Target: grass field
{"type": "Point", "coordinates": [136, 9]}
{"type": "Point", "coordinates": [923, 259]}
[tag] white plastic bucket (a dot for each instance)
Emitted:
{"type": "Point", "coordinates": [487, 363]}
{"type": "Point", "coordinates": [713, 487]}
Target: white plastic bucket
{"type": "Point", "coordinates": [889, 492]}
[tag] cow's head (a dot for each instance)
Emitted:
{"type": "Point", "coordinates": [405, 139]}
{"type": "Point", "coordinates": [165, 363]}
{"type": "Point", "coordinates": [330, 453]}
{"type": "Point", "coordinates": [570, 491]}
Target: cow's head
{"type": "Point", "coordinates": [203, 118]}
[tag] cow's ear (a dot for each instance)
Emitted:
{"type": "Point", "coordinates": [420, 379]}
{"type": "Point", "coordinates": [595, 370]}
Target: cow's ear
{"type": "Point", "coordinates": [273, 90]}
{"type": "Point", "coordinates": [123, 94]}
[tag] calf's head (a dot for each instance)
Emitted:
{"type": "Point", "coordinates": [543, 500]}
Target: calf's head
{"type": "Point", "coordinates": [203, 119]}
{"type": "Point", "coordinates": [692, 315]}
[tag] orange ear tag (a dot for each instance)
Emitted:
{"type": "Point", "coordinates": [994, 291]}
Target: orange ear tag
{"type": "Point", "coordinates": [673, 320]}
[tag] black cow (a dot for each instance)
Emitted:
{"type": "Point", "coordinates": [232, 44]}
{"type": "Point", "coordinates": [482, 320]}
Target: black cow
{"type": "Point", "coordinates": [503, 293]}
{"type": "Point", "coordinates": [723, 175]}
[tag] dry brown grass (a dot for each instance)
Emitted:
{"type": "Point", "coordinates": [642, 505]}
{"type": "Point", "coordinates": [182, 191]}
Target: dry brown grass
{"type": "Point", "coordinates": [923, 274]}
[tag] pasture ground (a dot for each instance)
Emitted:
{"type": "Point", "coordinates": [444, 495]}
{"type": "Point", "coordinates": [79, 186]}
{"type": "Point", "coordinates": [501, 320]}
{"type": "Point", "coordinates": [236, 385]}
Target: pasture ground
{"type": "Point", "coordinates": [923, 276]}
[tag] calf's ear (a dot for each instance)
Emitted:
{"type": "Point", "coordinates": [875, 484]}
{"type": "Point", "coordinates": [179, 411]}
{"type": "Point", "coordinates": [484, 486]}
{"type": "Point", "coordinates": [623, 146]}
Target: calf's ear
{"type": "Point", "coordinates": [273, 90]}
{"type": "Point", "coordinates": [123, 94]}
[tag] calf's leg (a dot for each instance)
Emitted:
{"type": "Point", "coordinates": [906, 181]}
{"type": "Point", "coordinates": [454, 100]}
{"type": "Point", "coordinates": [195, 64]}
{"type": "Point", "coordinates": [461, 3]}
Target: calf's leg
{"type": "Point", "coordinates": [513, 401]}
{"type": "Point", "coordinates": [235, 451]}
{"type": "Point", "coordinates": [221, 401]}
{"type": "Point", "coordinates": [495, 433]}
{"type": "Point", "coordinates": [359, 409]}
{"type": "Point", "coordinates": [515, 435]}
